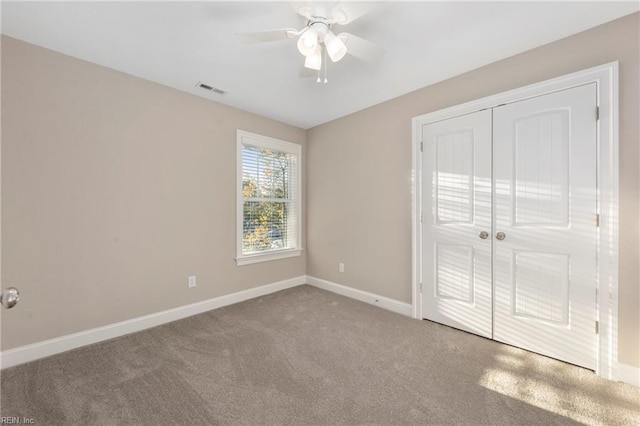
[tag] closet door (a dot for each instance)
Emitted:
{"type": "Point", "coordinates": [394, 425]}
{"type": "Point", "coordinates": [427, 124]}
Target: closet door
{"type": "Point", "coordinates": [456, 229]}
{"type": "Point", "coordinates": [544, 167]}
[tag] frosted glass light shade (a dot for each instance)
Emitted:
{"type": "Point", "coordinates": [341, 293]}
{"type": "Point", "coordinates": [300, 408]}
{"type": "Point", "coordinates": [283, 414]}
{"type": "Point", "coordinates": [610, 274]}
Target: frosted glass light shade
{"type": "Point", "coordinates": [335, 47]}
{"type": "Point", "coordinates": [314, 61]}
{"type": "Point", "coordinates": [308, 42]}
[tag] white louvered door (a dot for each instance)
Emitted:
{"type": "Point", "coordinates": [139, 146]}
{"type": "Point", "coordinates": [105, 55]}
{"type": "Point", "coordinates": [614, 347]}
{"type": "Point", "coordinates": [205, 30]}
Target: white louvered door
{"type": "Point", "coordinates": [525, 173]}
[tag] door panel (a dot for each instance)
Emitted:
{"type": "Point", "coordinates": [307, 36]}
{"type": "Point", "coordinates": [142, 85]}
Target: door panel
{"type": "Point", "coordinates": [545, 204]}
{"type": "Point", "coordinates": [456, 263]}
{"type": "Point", "coordinates": [454, 272]}
{"type": "Point", "coordinates": [540, 288]}
{"type": "Point", "coordinates": [541, 160]}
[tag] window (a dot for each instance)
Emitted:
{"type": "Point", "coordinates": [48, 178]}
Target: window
{"type": "Point", "coordinates": [268, 199]}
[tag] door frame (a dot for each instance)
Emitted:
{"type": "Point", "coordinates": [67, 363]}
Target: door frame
{"type": "Point", "coordinates": [606, 78]}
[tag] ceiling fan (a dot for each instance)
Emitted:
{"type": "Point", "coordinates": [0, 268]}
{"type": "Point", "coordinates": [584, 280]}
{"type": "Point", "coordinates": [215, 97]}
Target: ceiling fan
{"type": "Point", "coordinates": [317, 37]}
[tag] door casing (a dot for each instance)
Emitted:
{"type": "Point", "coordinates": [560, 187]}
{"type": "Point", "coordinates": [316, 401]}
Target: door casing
{"type": "Point", "coordinates": [606, 79]}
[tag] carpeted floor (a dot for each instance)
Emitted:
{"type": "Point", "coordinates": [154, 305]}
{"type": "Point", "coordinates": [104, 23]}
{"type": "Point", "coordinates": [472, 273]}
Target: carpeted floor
{"type": "Point", "coordinates": [306, 356]}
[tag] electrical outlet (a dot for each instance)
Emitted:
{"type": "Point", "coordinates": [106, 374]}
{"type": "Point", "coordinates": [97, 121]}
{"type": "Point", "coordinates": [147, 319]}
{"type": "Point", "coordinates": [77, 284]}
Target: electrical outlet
{"type": "Point", "coordinates": [192, 281]}
{"type": "Point", "coordinates": [341, 267]}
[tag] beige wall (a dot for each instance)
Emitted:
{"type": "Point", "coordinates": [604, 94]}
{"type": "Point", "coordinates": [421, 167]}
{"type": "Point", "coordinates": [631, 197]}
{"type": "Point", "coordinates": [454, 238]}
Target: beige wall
{"type": "Point", "coordinates": [359, 170]}
{"type": "Point", "coordinates": [114, 191]}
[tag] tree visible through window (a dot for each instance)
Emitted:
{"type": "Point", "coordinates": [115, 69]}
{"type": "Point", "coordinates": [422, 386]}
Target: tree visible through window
{"type": "Point", "coordinates": [270, 202]}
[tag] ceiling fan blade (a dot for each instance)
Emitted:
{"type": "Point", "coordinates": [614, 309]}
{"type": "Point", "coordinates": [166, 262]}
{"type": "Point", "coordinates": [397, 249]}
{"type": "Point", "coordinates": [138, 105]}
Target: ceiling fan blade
{"type": "Point", "coordinates": [361, 48]}
{"type": "Point", "coordinates": [345, 13]}
{"type": "Point", "coordinates": [265, 36]}
{"type": "Point", "coordinates": [303, 8]}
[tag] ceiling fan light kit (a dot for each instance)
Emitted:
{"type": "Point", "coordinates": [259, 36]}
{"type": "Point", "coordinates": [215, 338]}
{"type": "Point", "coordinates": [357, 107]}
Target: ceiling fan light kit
{"type": "Point", "coordinates": [310, 44]}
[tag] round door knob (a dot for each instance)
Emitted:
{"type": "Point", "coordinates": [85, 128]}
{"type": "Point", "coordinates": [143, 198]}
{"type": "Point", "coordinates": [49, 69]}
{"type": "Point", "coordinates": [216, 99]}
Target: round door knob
{"type": "Point", "coordinates": [484, 235]}
{"type": "Point", "coordinates": [501, 236]}
{"type": "Point", "coordinates": [9, 297]}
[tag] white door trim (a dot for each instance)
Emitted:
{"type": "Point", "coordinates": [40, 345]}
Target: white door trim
{"type": "Point", "coordinates": [606, 79]}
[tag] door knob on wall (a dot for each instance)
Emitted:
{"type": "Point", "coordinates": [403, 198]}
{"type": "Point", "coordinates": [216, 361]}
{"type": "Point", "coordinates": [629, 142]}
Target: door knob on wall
{"type": "Point", "coordinates": [9, 297]}
{"type": "Point", "coordinates": [501, 236]}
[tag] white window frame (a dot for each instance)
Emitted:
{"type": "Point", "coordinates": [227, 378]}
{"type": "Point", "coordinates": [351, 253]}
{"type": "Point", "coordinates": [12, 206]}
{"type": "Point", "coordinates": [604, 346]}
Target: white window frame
{"type": "Point", "coordinates": [246, 138]}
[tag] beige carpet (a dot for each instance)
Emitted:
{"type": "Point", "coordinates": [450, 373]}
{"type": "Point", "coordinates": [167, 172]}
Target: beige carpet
{"type": "Point", "coordinates": [305, 356]}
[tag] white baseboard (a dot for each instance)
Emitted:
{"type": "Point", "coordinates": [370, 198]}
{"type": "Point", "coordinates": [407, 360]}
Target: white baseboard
{"type": "Point", "coordinates": [32, 352]}
{"type": "Point", "coordinates": [629, 374]}
{"type": "Point", "coordinates": [363, 296]}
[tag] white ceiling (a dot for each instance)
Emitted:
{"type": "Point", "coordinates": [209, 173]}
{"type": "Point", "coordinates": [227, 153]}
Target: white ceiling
{"type": "Point", "coordinates": [178, 44]}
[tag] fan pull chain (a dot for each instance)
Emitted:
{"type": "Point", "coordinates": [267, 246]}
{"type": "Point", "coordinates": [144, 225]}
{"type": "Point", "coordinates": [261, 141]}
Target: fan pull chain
{"type": "Point", "coordinates": [325, 63]}
{"type": "Point", "coordinates": [325, 66]}
{"type": "Point", "coordinates": [318, 80]}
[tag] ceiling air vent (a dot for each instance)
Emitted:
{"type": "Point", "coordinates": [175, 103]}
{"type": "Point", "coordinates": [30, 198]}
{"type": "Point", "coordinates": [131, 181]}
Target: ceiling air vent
{"type": "Point", "coordinates": [210, 88]}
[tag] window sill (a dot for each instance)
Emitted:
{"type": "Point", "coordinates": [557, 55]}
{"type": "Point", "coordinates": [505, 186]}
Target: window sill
{"type": "Point", "coordinates": [265, 257]}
